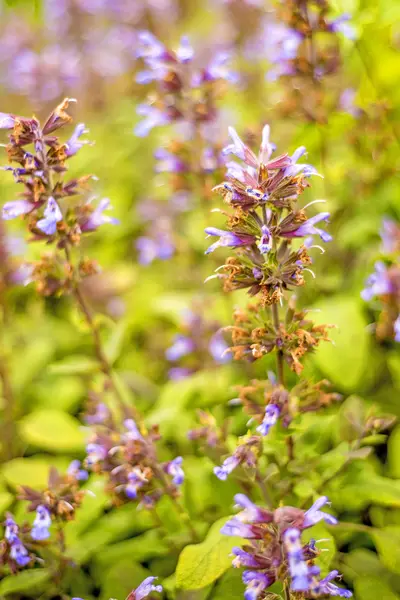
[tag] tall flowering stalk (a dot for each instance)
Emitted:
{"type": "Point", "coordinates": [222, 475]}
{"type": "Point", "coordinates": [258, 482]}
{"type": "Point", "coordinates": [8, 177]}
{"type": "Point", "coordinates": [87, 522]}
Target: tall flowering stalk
{"type": "Point", "coordinates": [185, 94]}
{"type": "Point", "coordinates": [272, 236]}
{"type": "Point", "coordinates": [59, 212]}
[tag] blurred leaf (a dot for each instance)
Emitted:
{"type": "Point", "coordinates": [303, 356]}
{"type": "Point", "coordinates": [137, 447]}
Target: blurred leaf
{"type": "Point", "coordinates": [393, 453]}
{"type": "Point", "coordinates": [387, 541]}
{"type": "Point", "coordinates": [371, 588]}
{"type": "Point", "coordinates": [74, 365]}
{"type": "Point", "coordinates": [345, 362]}
{"type": "Point", "coordinates": [114, 344]}
{"type": "Point", "coordinates": [33, 471]}
{"type": "Point", "coordinates": [31, 582]}
{"type": "Point", "coordinates": [52, 430]}
{"type": "Point", "coordinates": [120, 579]}
{"type": "Point", "coordinates": [351, 418]}
{"type": "Point", "coordinates": [90, 510]}
{"type": "Point", "coordinates": [229, 586]}
{"type": "Point", "coordinates": [201, 564]}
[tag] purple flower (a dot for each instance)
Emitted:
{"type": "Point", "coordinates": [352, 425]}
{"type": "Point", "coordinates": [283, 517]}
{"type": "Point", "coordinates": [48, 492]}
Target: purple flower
{"type": "Point", "coordinates": [136, 480]}
{"type": "Point", "coordinates": [99, 416]}
{"type": "Point", "coordinates": [74, 470]}
{"type": "Point", "coordinates": [313, 515]}
{"type": "Point", "coordinates": [228, 238]}
{"type": "Point", "coordinates": [298, 568]}
{"type": "Point", "coordinates": [237, 528]}
{"type": "Point", "coordinates": [95, 453]}
{"type": "Point", "coordinates": [244, 559]}
{"type": "Point", "coordinates": [177, 373]}
{"type": "Point", "coordinates": [168, 162]}
{"type": "Point", "coordinates": [239, 149]}
{"type": "Point", "coordinates": [52, 216]}
{"type": "Point", "coordinates": [326, 587]}
{"type": "Point", "coordinates": [377, 284]}
{"type": "Point", "coordinates": [346, 102]}
{"type": "Point", "coordinates": [151, 47]}
{"type": "Point", "coordinates": [97, 218]}
{"type": "Point", "coordinates": [256, 583]}
{"type": "Point", "coordinates": [185, 52]}
{"type": "Point", "coordinates": [174, 469]}
{"type": "Point", "coordinates": [265, 243]}
{"type": "Point", "coordinates": [132, 432]}
{"type": "Point", "coordinates": [11, 530]}
{"type": "Point", "coordinates": [74, 144]}
{"type": "Point", "coordinates": [308, 228]}
{"type": "Point", "coordinates": [40, 529]}
{"type": "Point", "coordinates": [218, 69]}
{"type": "Point", "coordinates": [267, 148]}
{"type": "Point", "coordinates": [6, 121]}
{"type": "Point", "coordinates": [341, 25]}
{"type": "Point", "coordinates": [251, 513]}
{"type": "Point", "coordinates": [145, 588]}
{"type": "Point", "coordinates": [390, 235]}
{"type": "Point", "coordinates": [218, 347]}
{"type": "Point", "coordinates": [182, 346]}
{"type": "Point", "coordinates": [272, 412]}
{"type": "Point", "coordinates": [294, 169]}
{"type": "Point", "coordinates": [226, 468]}
{"type": "Point", "coordinates": [154, 117]}
{"type": "Point", "coordinates": [159, 246]}
{"type": "Point", "coordinates": [19, 553]}
{"type": "Point", "coordinates": [396, 327]}
{"type": "Point", "coordinates": [14, 209]}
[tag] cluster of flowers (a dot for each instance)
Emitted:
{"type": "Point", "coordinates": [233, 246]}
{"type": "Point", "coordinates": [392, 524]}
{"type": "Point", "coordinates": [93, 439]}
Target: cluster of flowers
{"type": "Point", "coordinates": [129, 460]}
{"type": "Point", "coordinates": [384, 283]}
{"type": "Point", "coordinates": [57, 503]}
{"type": "Point", "coordinates": [302, 43]}
{"type": "Point", "coordinates": [48, 203]}
{"type": "Point", "coordinates": [43, 61]}
{"type": "Point", "coordinates": [274, 551]}
{"type": "Point", "coordinates": [186, 97]}
{"type": "Point", "coordinates": [199, 345]}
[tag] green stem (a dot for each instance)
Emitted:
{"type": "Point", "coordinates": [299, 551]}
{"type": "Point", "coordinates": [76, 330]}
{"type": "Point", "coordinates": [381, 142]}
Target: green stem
{"type": "Point", "coordinates": [265, 491]}
{"type": "Point", "coordinates": [279, 354]}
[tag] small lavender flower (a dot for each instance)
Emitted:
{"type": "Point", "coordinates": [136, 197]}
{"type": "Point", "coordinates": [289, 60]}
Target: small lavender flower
{"type": "Point", "coordinates": [298, 568]}
{"type": "Point", "coordinates": [396, 327]}
{"type": "Point", "coordinates": [95, 453]}
{"type": "Point", "coordinates": [228, 238]}
{"type": "Point", "coordinates": [74, 470]}
{"type": "Point", "coordinates": [146, 588]}
{"type": "Point", "coordinates": [326, 587]}
{"type": "Point", "coordinates": [308, 228]}
{"type": "Point", "coordinates": [237, 528]}
{"type": "Point", "coordinates": [256, 582]}
{"type": "Point", "coordinates": [97, 218]}
{"type": "Point", "coordinates": [313, 515]}
{"type": "Point", "coordinates": [11, 530]}
{"type": "Point", "coordinates": [19, 553]}
{"type": "Point", "coordinates": [244, 559]}
{"type": "Point", "coordinates": [378, 284]}
{"type": "Point", "coordinates": [52, 216]}
{"type": "Point", "coordinates": [181, 346]}
{"type": "Point", "coordinates": [218, 348]}
{"type": "Point", "coordinates": [132, 431]}
{"type": "Point", "coordinates": [341, 25]}
{"type": "Point", "coordinates": [158, 246]}
{"type": "Point", "coordinates": [99, 416]}
{"type": "Point", "coordinates": [74, 144]}
{"type": "Point", "coordinates": [154, 117]}
{"type": "Point", "coordinates": [226, 468]}
{"type": "Point", "coordinates": [40, 529]}
{"type": "Point", "coordinates": [265, 243]}
{"type": "Point", "coordinates": [272, 412]}
{"type": "Point", "coordinates": [136, 480]}
{"type": "Point", "coordinates": [16, 208]}
{"type": "Point", "coordinates": [174, 469]}
{"type": "Point", "coordinates": [251, 513]}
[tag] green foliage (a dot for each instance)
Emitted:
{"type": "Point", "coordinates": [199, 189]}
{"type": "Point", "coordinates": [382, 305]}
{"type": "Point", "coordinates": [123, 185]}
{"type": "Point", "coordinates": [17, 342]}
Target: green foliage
{"type": "Point", "coordinates": [201, 564]}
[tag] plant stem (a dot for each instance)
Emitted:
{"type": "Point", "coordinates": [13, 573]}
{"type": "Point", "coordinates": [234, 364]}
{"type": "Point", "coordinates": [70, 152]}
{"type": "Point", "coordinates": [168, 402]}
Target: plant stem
{"type": "Point", "coordinates": [265, 491]}
{"type": "Point", "coordinates": [286, 589]}
{"type": "Point", "coordinates": [100, 354]}
{"type": "Point", "coordinates": [279, 354]}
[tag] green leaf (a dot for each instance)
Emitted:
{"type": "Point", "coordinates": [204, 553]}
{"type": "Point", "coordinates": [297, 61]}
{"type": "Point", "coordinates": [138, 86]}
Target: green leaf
{"type": "Point", "coordinates": [229, 586]}
{"type": "Point", "coordinates": [344, 363]}
{"type": "Point", "coordinates": [119, 580]}
{"type": "Point", "coordinates": [113, 346]}
{"type": "Point", "coordinates": [32, 581]}
{"type": "Point", "coordinates": [393, 453]}
{"type": "Point", "coordinates": [74, 365]}
{"type": "Point", "coordinates": [33, 471]}
{"type": "Point", "coordinates": [372, 588]}
{"type": "Point", "coordinates": [90, 510]}
{"type": "Point", "coordinates": [387, 541]}
{"type": "Point", "coordinates": [52, 430]}
{"type": "Point", "coordinates": [201, 564]}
